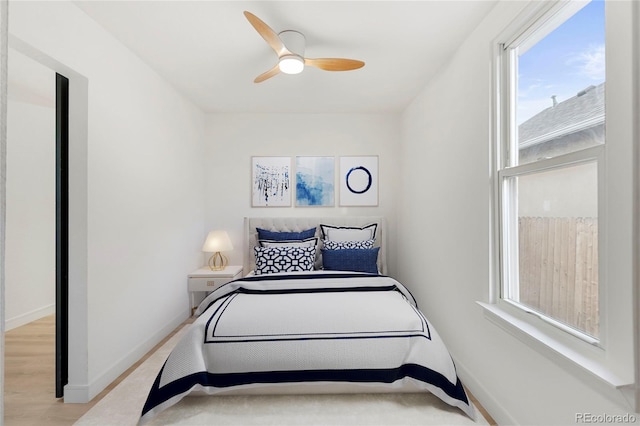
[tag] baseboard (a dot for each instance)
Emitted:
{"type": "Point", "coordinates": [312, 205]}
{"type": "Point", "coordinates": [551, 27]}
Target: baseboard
{"type": "Point", "coordinates": [79, 393]}
{"type": "Point", "coordinates": [496, 410]}
{"type": "Point", "coordinates": [28, 317]}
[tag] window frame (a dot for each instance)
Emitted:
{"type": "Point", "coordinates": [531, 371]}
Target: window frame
{"type": "Point", "coordinates": [509, 238]}
{"type": "Point", "coordinates": [597, 357]}
{"type": "Point", "coordinates": [508, 167]}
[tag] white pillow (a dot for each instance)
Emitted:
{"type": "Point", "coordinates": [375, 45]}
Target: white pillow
{"type": "Point", "coordinates": [349, 233]}
{"type": "Point", "coordinates": [309, 242]}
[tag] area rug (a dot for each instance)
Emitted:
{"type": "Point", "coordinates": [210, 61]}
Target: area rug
{"type": "Point", "coordinates": [122, 406]}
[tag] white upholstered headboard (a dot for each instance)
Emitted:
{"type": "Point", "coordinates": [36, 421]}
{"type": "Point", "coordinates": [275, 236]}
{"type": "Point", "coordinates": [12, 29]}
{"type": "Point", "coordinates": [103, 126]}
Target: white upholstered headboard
{"type": "Point", "coordinates": [297, 224]}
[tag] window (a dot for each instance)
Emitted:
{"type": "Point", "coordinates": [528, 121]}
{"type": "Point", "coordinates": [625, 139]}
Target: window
{"type": "Point", "coordinates": [562, 254]}
{"type": "Point", "coordinates": [551, 145]}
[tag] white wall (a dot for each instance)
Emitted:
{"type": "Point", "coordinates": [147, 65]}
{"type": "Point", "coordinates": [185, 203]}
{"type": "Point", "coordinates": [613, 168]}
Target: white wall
{"type": "Point", "coordinates": [232, 139]}
{"type": "Point", "coordinates": [141, 198]}
{"type": "Point", "coordinates": [30, 237]}
{"type": "Point", "coordinates": [444, 230]}
{"type": "Point", "coordinates": [4, 6]}
{"type": "Point", "coordinates": [31, 150]}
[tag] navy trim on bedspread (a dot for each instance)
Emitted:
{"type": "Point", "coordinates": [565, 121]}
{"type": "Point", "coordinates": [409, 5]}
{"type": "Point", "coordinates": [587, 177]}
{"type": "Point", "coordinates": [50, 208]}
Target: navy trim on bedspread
{"type": "Point", "coordinates": [158, 394]}
{"type": "Point", "coordinates": [271, 277]}
{"type": "Point", "coordinates": [315, 290]}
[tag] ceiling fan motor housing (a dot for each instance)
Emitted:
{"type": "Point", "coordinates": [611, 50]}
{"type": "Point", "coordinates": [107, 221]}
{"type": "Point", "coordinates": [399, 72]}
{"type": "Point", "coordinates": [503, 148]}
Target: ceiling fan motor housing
{"type": "Point", "coordinates": [294, 41]}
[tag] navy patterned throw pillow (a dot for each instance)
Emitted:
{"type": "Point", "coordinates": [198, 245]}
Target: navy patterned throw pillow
{"type": "Point", "coordinates": [270, 260]}
{"type": "Point", "coordinates": [355, 260]}
{"type": "Point", "coordinates": [341, 245]}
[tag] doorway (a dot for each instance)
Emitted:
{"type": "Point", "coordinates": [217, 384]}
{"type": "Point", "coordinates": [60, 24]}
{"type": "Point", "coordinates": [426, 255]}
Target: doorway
{"type": "Point", "coordinates": [37, 201]}
{"type": "Point", "coordinates": [62, 233]}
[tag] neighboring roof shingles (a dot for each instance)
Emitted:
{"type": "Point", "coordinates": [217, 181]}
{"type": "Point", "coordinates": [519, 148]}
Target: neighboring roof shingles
{"type": "Point", "coordinates": [582, 111]}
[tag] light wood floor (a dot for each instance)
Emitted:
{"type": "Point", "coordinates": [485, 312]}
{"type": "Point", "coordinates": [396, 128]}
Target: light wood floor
{"type": "Point", "coordinates": [30, 378]}
{"type": "Point", "coordinates": [29, 393]}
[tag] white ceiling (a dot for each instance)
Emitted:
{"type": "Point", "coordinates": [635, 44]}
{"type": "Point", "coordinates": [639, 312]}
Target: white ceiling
{"type": "Point", "coordinates": [210, 52]}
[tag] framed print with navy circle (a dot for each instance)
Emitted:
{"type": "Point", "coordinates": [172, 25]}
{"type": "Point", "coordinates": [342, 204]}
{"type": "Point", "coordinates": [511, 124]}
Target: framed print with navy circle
{"type": "Point", "coordinates": [359, 181]}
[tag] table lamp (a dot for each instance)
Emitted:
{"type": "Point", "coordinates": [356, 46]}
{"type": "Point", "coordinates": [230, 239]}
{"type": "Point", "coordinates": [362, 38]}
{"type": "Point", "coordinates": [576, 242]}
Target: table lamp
{"type": "Point", "coordinates": [216, 242]}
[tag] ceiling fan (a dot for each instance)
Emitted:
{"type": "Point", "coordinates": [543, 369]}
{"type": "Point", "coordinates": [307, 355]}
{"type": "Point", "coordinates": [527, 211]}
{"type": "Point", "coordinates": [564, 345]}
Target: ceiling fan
{"type": "Point", "coordinates": [289, 46]}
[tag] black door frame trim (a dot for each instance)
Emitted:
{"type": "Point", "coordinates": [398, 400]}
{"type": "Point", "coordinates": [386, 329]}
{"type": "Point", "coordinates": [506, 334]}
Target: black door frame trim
{"type": "Point", "coordinates": [62, 234]}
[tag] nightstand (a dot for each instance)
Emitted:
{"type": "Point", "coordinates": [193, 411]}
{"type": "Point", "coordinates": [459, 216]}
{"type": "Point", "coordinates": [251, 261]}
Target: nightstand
{"type": "Point", "coordinates": [206, 280]}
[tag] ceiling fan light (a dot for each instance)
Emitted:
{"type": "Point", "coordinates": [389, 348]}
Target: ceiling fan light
{"type": "Point", "coordinates": [291, 64]}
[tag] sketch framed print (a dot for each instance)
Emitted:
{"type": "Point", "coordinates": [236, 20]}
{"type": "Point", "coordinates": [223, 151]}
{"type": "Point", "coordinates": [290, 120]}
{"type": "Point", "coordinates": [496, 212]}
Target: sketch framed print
{"type": "Point", "coordinates": [359, 181]}
{"type": "Point", "coordinates": [315, 181]}
{"type": "Point", "coordinates": [270, 181]}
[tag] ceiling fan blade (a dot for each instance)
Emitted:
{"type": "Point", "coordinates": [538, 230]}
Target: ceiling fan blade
{"type": "Point", "coordinates": [334, 64]}
{"type": "Point", "coordinates": [267, 33]}
{"type": "Point", "coordinates": [266, 75]}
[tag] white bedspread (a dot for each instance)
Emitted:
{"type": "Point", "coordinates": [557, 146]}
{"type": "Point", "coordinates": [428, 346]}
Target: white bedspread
{"type": "Point", "coordinates": [308, 333]}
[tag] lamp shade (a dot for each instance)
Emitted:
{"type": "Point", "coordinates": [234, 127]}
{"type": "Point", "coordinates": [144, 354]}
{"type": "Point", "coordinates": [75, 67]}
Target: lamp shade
{"type": "Point", "coordinates": [217, 241]}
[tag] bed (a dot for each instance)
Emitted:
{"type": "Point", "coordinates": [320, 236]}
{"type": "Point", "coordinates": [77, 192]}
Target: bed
{"type": "Point", "coordinates": [315, 315]}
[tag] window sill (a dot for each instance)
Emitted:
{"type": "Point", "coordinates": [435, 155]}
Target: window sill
{"type": "Point", "coordinates": [550, 346]}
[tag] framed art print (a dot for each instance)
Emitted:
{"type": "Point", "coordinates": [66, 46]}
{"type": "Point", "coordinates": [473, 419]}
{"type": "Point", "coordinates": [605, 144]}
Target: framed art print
{"type": "Point", "coordinates": [359, 181]}
{"type": "Point", "coordinates": [270, 181]}
{"type": "Point", "coordinates": [315, 181]}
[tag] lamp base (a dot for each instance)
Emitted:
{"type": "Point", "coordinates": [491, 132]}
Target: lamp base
{"type": "Point", "coordinates": [218, 262]}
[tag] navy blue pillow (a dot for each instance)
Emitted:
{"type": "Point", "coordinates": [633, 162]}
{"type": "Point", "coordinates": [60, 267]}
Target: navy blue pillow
{"type": "Point", "coordinates": [355, 260]}
{"type": "Point", "coordinates": [264, 234]}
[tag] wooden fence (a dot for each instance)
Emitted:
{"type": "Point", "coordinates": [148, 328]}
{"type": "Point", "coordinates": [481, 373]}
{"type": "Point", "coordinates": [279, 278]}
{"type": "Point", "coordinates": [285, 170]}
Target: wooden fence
{"type": "Point", "coordinates": [558, 262]}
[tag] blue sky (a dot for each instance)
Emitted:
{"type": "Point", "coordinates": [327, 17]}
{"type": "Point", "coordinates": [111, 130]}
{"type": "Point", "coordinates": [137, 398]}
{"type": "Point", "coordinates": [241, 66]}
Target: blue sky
{"type": "Point", "coordinates": [566, 61]}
